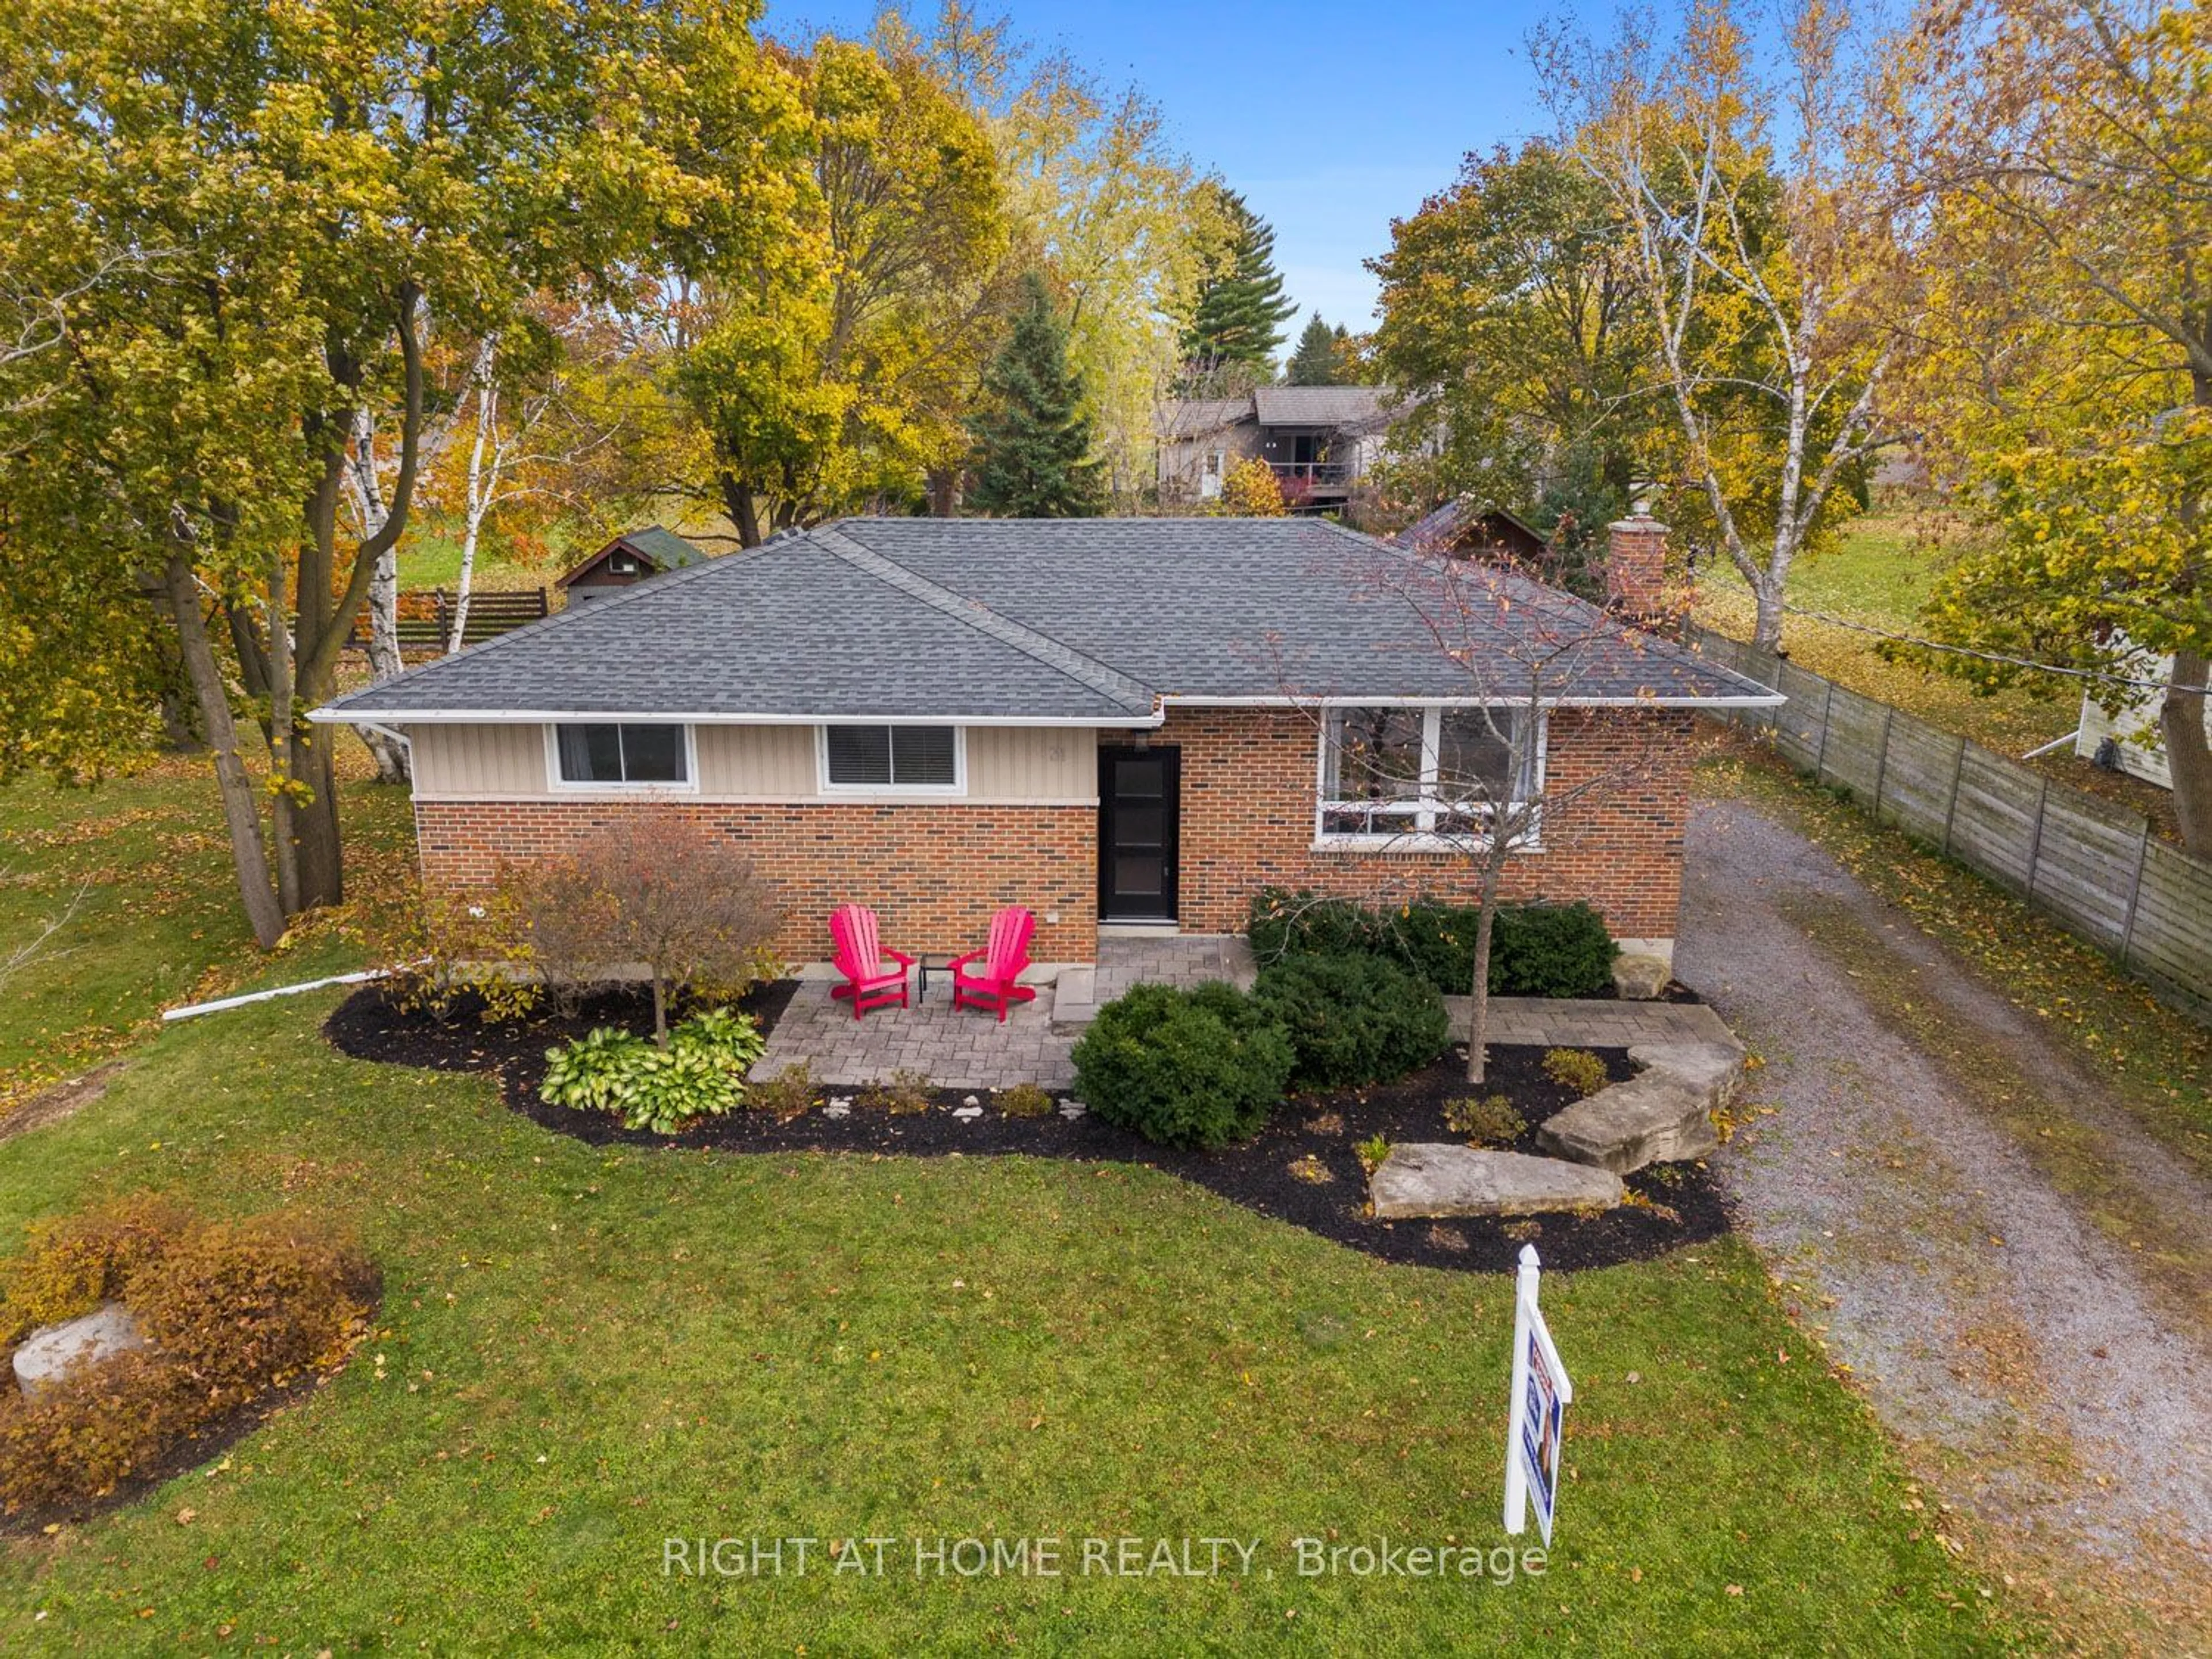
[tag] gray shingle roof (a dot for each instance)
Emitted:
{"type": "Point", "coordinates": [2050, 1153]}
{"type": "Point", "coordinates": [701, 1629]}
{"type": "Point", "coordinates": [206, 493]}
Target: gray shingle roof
{"type": "Point", "coordinates": [1045, 619]}
{"type": "Point", "coordinates": [1319, 405]}
{"type": "Point", "coordinates": [1195, 417]}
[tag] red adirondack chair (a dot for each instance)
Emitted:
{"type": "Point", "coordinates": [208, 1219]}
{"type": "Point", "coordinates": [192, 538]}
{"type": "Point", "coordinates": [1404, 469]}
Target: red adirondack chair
{"type": "Point", "coordinates": [996, 984]}
{"type": "Point", "coordinates": [870, 982]}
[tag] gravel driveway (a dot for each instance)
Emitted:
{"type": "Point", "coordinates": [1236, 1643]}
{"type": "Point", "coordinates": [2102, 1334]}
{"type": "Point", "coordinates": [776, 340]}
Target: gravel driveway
{"type": "Point", "coordinates": [2046, 1375]}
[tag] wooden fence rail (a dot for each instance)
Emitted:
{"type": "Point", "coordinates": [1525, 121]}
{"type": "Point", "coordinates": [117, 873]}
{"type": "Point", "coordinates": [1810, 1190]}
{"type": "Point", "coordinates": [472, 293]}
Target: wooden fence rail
{"type": "Point", "coordinates": [426, 616]}
{"type": "Point", "coordinates": [2096, 868]}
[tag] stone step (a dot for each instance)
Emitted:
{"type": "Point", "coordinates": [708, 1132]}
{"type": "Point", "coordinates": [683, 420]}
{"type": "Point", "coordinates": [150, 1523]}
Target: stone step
{"type": "Point", "coordinates": [1075, 995]}
{"type": "Point", "coordinates": [1663, 1115]}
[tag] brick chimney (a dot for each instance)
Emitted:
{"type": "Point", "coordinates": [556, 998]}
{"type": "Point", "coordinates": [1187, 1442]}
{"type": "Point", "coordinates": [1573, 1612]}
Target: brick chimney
{"type": "Point", "coordinates": [1636, 566]}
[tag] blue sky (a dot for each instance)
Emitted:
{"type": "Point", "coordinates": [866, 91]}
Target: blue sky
{"type": "Point", "coordinates": [1332, 119]}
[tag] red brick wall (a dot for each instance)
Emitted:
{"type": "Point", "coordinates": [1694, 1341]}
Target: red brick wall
{"type": "Point", "coordinates": [934, 872]}
{"type": "Point", "coordinates": [1247, 820]}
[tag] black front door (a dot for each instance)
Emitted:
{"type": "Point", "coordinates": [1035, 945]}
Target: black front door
{"type": "Point", "coordinates": [1139, 791]}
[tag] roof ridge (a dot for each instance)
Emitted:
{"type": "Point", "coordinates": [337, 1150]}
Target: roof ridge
{"type": "Point", "coordinates": [660, 582]}
{"type": "Point", "coordinates": [1101, 678]}
{"type": "Point", "coordinates": [1547, 593]}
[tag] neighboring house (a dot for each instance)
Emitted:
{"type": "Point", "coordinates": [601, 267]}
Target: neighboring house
{"type": "Point", "coordinates": [630, 557]}
{"type": "Point", "coordinates": [1109, 720]}
{"type": "Point", "coordinates": [1320, 441]}
{"type": "Point", "coordinates": [1455, 527]}
{"type": "Point", "coordinates": [2130, 741]}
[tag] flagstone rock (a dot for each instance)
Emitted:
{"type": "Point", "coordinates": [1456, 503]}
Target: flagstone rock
{"type": "Point", "coordinates": [1435, 1178]}
{"type": "Point", "coordinates": [1662, 1115]}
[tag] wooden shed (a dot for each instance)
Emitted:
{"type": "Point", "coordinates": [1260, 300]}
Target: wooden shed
{"type": "Point", "coordinates": [630, 557]}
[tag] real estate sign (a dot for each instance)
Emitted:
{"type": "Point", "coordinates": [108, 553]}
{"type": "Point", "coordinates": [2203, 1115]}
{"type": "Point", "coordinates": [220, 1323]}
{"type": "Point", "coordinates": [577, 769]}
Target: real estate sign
{"type": "Point", "coordinates": [1537, 1409]}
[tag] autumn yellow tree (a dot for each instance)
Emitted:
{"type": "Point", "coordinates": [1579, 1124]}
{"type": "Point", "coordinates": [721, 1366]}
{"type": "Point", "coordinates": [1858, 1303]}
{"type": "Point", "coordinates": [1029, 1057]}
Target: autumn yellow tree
{"type": "Point", "coordinates": [1099, 201]}
{"type": "Point", "coordinates": [841, 376]}
{"type": "Point", "coordinates": [251, 218]}
{"type": "Point", "coordinates": [2059, 156]}
{"type": "Point", "coordinates": [1249, 490]}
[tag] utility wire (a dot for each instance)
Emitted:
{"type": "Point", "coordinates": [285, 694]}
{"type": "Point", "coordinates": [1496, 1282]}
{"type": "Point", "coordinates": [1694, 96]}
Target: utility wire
{"type": "Point", "coordinates": [2100, 675]}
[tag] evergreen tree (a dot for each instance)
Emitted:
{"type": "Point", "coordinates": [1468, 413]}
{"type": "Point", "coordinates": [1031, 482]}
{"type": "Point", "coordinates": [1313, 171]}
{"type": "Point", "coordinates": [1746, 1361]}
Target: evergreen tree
{"type": "Point", "coordinates": [1033, 441]}
{"type": "Point", "coordinates": [1315, 362]}
{"type": "Point", "coordinates": [1240, 308]}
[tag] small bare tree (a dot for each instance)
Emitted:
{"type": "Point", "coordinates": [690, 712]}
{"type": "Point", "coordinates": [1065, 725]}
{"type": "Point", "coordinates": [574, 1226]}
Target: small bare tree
{"type": "Point", "coordinates": [1466, 774]}
{"type": "Point", "coordinates": [661, 893]}
{"type": "Point", "coordinates": [39, 945]}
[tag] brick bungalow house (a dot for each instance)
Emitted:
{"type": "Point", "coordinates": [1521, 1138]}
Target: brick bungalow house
{"type": "Point", "coordinates": [1132, 722]}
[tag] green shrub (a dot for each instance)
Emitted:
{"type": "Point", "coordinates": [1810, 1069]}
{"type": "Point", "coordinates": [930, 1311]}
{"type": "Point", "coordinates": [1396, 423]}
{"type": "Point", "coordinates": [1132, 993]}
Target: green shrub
{"type": "Point", "coordinates": [1202, 1068]}
{"type": "Point", "coordinates": [1491, 1122]}
{"type": "Point", "coordinates": [1551, 951]}
{"type": "Point", "coordinates": [1535, 949]}
{"type": "Point", "coordinates": [1354, 1019]}
{"type": "Point", "coordinates": [1577, 1069]}
{"type": "Point", "coordinates": [1370, 1153]}
{"type": "Point", "coordinates": [1024, 1100]}
{"type": "Point", "coordinates": [701, 1073]}
{"type": "Point", "coordinates": [1285, 923]}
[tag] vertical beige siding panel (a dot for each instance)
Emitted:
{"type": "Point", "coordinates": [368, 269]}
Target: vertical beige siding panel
{"type": "Point", "coordinates": [477, 761]}
{"type": "Point", "coordinates": [752, 762]}
{"type": "Point", "coordinates": [1032, 762]}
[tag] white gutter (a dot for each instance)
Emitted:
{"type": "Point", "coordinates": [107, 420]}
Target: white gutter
{"type": "Point", "coordinates": [332, 715]}
{"type": "Point", "coordinates": [1768, 700]}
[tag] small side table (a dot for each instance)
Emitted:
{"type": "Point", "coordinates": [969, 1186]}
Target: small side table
{"type": "Point", "coordinates": [941, 960]}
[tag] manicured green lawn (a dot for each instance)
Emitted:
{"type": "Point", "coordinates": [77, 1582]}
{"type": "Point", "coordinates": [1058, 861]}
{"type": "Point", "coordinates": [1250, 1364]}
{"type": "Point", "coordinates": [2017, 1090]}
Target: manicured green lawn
{"type": "Point", "coordinates": [584, 1352]}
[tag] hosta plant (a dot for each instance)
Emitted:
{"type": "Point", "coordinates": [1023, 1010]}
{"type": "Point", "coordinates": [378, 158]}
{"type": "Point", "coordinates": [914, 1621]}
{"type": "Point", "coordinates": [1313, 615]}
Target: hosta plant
{"type": "Point", "coordinates": [699, 1073]}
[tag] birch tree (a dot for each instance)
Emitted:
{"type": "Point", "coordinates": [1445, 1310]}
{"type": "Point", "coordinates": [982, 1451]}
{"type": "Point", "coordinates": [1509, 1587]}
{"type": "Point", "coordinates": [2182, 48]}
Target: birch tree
{"type": "Point", "coordinates": [1765, 272]}
{"type": "Point", "coordinates": [541, 424]}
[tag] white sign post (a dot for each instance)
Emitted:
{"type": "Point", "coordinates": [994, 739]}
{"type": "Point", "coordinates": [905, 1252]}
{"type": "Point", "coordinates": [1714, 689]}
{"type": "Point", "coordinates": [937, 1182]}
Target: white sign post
{"type": "Point", "coordinates": [1537, 1415]}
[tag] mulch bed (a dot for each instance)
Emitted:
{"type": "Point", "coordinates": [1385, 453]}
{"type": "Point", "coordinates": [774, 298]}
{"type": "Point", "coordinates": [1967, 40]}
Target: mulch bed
{"type": "Point", "coordinates": [1685, 1203]}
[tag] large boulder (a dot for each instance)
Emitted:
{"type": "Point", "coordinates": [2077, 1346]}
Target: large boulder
{"type": "Point", "coordinates": [52, 1352]}
{"type": "Point", "coordinates": [1434, 1178]}
{"type": "Point", "coordinates": [1662, 1115]}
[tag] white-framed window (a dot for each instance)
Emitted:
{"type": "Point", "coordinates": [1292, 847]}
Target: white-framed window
{"type": "Point", "coordinates": [622, 755]}
{"type": "Point", "coordinates": [893, 760]}
{"type": "Point", "coordinates": [1391, 775]}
